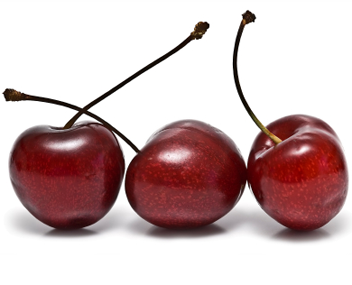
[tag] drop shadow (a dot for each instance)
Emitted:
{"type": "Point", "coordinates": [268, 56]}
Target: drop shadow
{"type": "Point", "coordinates": [70, 233]}
{"type": "Point", "coordinates": [201, 232]}
{"type": "Point", "coordinates": [301, 236]}
{"type": "Point", "coordinates": [141, 226]}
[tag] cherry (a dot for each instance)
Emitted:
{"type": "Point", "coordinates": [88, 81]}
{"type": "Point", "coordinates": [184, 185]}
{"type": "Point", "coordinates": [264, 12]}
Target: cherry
{"type": "Point", "coordinates": [67, 178]}
{"type": "Point", "coordinates": [189, 174]}
{"type": "Point", "coordinates": [297, 171]}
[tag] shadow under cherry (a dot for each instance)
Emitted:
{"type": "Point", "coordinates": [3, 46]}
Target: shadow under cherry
{"type": "Point", "coordinates": [205, 231]}
{"type": "Point", "coordinates": [301, 236]}
{"type": "Point", "coordinates": [142, 227]}
{"type": "Point", "coordinates": [70, 233]}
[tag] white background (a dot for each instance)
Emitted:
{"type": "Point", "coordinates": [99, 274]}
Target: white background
{"type": "Point", "coordinates": [296, 58]}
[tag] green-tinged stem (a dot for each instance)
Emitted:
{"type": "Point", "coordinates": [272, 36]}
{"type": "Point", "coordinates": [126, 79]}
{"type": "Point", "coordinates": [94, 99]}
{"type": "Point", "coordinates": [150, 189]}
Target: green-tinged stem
{"type": "Point", "coordinates": [248, 17]}
{"type": "Point", "coordinates": [13, 95]}
{"type": "Point", "coordinates": [198, 32]}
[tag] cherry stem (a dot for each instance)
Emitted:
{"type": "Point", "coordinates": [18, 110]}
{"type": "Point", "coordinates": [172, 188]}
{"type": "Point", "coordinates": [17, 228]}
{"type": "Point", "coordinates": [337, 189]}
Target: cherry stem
{"type": "Point", "coordinates": [248, 17]}
{"type": "Point", "coordinates": [13, 95]}
{"type": "Point", "coordinates": [198, 33]}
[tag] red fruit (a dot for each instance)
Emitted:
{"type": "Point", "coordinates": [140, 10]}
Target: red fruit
{"type": "Point", "coordinates": [189, 174]}
{"type": "Point", "coordinates": [67, 178]}
{"type": "Point", "coordinates": [296, 168]}
{"type": "Point", "coordinates": [301, 182]}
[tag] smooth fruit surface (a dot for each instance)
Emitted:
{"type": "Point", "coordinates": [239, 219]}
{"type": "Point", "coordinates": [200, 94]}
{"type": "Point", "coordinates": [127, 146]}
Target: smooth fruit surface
{"type": "Point", "coordinates": [189, 174]}
{"type": "Point", "coordinates": [301, 182]}
{"type": "Point", "coordinates": [68, 178]}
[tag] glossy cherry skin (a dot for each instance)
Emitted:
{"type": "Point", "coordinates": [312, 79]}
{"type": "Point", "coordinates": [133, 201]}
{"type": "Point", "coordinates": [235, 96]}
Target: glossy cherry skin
{"type": "Point", "coordinates": [301, 182]}
{"type": "Point", "coordinates": [189, 174]}
{"type": "Point", "coordinates": [68, 179]}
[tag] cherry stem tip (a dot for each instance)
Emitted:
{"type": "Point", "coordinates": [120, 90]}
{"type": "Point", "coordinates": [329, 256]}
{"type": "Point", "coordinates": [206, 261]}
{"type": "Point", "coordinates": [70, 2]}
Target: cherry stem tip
{"type": "Point", "coordinates": [199, 30]}
{"type": "Point", "coordinates": [13, 95]}
{"type": "Point", "coordinates": [248, 17]}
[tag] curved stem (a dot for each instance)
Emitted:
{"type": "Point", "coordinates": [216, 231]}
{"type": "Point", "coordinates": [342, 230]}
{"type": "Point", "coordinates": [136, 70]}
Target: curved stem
{"type": "Point", "coordinates": [198, 32]}
{"type": "Point", "coordinates": [13, 95]}
{"type": "Point", "coordinates": [248, 17]}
